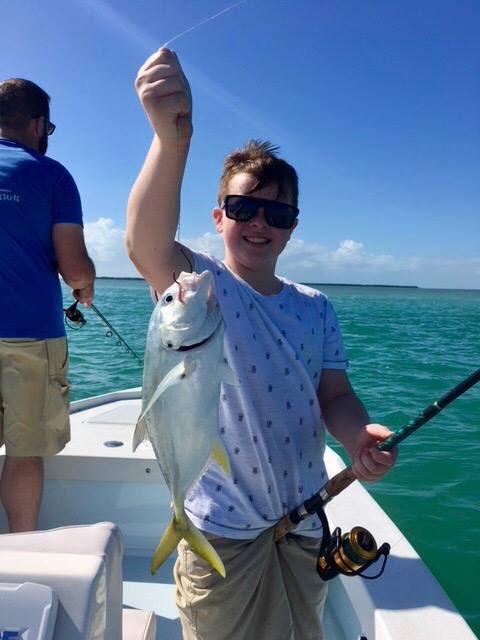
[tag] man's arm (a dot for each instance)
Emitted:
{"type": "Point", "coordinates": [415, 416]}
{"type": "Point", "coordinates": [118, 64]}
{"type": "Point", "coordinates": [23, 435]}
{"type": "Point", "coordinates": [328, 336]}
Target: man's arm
{"type": "Point", "coordinates": [347, 420]}
{"type": "Point", "coordinates": [154, 203]}
{"type": "Point", "coordinates": [73, 262]}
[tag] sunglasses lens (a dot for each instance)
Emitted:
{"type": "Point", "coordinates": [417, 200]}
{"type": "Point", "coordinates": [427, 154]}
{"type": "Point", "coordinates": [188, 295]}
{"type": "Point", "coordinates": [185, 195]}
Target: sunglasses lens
{"type": "Point", "coordinates": [240, 209]}
{"type": "Point", "coordinates": [280, 216]}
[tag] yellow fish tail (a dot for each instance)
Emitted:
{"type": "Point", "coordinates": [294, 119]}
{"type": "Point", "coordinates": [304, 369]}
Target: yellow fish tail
{"type": "Point", "coordinates": [195, 538]}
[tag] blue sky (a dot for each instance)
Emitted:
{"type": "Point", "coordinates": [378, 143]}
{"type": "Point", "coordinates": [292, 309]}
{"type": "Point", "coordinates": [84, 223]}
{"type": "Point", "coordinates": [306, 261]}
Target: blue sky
{"type": "Point", "coordinates": [375, 103]}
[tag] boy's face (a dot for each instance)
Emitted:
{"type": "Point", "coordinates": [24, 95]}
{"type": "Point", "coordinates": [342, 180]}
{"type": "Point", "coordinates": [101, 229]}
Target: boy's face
{"type": "Point", "coordinates": [254, 244]}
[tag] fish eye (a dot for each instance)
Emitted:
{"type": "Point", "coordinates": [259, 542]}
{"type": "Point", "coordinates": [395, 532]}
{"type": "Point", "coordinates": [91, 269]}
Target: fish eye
{"type": "Point", "coordinates": [168, 298]}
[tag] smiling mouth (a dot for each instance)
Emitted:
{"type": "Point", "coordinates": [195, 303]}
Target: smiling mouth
{"type": "Point", "coordinates": [256, 241]}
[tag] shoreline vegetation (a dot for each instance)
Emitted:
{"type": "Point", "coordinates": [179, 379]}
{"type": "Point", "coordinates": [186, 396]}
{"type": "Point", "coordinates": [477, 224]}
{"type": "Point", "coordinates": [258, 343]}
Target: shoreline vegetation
{"type": "Point", "coordinates": [316, 284]}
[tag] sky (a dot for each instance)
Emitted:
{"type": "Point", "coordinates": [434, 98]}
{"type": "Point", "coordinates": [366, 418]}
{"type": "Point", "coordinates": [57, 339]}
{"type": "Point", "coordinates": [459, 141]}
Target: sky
{"type": "Point", "coordinates": [375, 103]}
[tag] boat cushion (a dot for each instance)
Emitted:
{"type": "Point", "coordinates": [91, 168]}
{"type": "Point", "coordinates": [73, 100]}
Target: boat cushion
{"type": "Point", "coordinates": [83, 564]}
{"type": "Point", "coordinates": [79, 581]}
{"type": "Point", "coordinates": [139, 625]}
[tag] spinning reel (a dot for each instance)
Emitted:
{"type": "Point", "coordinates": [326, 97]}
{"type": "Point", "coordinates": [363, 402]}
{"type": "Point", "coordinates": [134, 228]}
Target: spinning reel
{"type": "Point", "coordinates": [75, 316]}
{"type": "Point", "coordinates": [349, 554]}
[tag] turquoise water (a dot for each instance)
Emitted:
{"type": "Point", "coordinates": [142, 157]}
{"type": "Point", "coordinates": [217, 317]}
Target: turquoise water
{"type": "Point", "coordinates": [407, 347]}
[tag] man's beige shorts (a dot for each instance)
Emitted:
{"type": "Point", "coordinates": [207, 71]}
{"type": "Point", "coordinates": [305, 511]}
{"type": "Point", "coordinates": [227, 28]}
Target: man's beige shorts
{"type": "Point", "coordinates": [34, 403]}
{"type": "Point", "coordinates": [271, 592]}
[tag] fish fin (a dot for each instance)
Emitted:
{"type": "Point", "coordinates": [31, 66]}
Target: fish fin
{"type": "Point", "coordinates": [174, 376]}
{"type": "Point", "coordinates": [228, 375]}
{"type": "Point", "coordinates": [203, 548]}
{"type": "Point", "coordinates": [195, 538]}
{"type": "Point", "coordinates": [140, 433]}
{"type": "Point", "coordinates": [171, 537]}
{"type": "Point", "coordinates": [220, 456]}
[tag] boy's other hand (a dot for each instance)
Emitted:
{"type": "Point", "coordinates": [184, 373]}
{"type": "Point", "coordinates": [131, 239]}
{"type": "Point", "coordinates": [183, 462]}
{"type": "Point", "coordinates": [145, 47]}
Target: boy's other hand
{"type": "Point", "coordinates": [165, 94]}
{"type": "Point", "coordinates": [368, 463]}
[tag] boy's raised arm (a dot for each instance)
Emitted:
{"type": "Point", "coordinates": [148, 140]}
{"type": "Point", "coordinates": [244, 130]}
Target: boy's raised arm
{"type": "Point", "coordinates": [154, 202]}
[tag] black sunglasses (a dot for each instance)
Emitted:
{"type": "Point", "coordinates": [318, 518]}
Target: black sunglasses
{"type": "Point", "coordinates": [244, 208]}
{"type": "Point", "coordinates": [50, 126]}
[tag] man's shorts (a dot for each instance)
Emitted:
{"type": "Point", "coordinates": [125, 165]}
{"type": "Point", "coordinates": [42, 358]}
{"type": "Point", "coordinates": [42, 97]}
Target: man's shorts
{"type": "Point", "coordinates": [34, 402]}
{"type": "Point", "coordinates": [272, 590]}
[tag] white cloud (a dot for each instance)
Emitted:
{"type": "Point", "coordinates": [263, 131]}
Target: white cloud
{"type": "Point", "coordinates": [210, 242]}
{"type": "Point", "coordinates": [104, 238]}
{"type": "Point", "coordinates": [105, 244]}
{"type": "Point", "coordinates": [303, 261]}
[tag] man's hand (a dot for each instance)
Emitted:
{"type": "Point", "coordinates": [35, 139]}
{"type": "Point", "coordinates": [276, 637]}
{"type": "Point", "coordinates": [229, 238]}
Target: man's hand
{"type": "Point", "coordinates": [165, 95]}
{"type": "Point", "coordinates": [368, 463]}
{"type": "Point", "coordinates": [85, 295]}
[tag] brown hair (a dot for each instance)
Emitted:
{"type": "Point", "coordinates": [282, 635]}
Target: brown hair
{"type": "Point", "coordinates": [20, 100]}
{"type": "Point", "coordinates": [259, 158]}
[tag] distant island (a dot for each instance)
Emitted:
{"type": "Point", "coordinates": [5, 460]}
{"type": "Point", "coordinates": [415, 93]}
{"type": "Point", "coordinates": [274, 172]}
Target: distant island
{"type": "Point", "coordinates": [118, 278]}
{"type": "Point", "coordinates": [352, 284]}
{"type": "Point", "coordinates": [308, 284]}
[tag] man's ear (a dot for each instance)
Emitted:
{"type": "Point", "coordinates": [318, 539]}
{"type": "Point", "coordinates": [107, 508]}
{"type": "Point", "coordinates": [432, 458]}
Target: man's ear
{"type": "Point", "coordinates": [217, 214]}
{"type": "Point", "coordinates": [37, 125]}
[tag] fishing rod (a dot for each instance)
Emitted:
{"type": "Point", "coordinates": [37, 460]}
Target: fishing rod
{"type": "Point", "coordinates": [355, 551]}
{"type": "Point", "coordinates": [344, 478]}
{"type": "Point", "coordinates": [72, 314]}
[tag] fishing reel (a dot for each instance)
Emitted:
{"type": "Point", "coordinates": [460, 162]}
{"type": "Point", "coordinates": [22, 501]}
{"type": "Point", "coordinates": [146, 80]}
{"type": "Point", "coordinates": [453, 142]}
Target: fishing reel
{"type": "Point", "coordinates": [349, 554]}
{"type": "Point", "coordinates": [75, 316]}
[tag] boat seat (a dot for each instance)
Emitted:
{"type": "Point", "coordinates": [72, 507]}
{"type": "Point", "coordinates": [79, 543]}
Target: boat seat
{"type": "Point", "coordinates": [83, 565]}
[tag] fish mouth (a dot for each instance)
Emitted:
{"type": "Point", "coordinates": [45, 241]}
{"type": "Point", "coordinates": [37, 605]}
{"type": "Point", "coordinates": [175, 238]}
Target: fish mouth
{"type": "Point", "coordinates": [193, 346]}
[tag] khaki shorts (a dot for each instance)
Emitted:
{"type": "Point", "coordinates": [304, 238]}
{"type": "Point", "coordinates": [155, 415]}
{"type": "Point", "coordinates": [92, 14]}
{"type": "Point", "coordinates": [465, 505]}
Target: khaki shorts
{"type": "Point", "coordinates": [271, 592]}
{"type": "Point", "coordinates": [34, 403]}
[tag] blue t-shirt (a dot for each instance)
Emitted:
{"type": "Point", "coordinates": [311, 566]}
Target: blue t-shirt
{"type": "Point", "coordinates": [36, 192]}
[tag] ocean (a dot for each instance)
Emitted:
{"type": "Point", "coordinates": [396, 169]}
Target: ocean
{"type": "Point", "coordinates": [407, 347]}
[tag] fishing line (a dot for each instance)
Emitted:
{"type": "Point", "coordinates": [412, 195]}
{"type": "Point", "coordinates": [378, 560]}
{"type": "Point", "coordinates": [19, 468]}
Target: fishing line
{"type": "Point", "coordinates": [199, 24]}
{"type": "Point", "coordinates": [112, 331]}
{"type": "Point", "coordinates": [167, 44]}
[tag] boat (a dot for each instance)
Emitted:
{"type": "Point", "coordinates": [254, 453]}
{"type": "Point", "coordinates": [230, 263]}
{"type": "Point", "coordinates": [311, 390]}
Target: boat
{"type": "Point", "coordinates": [97, 478]}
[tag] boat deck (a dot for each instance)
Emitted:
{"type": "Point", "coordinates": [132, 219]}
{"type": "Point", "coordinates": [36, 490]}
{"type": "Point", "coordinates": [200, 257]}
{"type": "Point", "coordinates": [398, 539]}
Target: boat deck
{"type": "Point", "coordinates": [97, 477]}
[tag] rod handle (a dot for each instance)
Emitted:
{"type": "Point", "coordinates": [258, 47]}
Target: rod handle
{"type": "Point", "coordinates": [330, 489]}
{"type": "Point", "coordinates": [339, 482]}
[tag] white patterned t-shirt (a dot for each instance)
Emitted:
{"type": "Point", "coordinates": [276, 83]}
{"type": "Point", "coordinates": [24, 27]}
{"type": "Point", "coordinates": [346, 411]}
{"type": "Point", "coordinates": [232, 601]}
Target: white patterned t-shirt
{"type": "Point", "coordinates": [270, 425]}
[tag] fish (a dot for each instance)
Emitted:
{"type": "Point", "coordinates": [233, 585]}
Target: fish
{"type": "Point", "coordinates": [183, 369]}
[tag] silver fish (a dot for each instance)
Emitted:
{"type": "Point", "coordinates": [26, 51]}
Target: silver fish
{"type": "Point", "coordinates": [184, 368]}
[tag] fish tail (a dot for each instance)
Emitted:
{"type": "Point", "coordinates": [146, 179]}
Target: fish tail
{"type": "Point", "coordinates": [195, 538]}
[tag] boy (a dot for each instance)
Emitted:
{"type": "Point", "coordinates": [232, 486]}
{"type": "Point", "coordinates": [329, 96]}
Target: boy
{"type": "Point", "coordinates": [284, 344]}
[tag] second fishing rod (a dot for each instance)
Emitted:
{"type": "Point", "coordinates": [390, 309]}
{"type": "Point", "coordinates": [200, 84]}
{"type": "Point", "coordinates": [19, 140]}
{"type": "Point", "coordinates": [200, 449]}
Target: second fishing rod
{"type": "Point", "coordinates": [74, 318]}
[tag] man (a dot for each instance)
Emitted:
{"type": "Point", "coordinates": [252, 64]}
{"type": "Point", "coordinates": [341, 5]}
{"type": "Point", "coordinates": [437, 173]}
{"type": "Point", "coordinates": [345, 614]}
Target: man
{"type": "Point", "coordinates": [41, 236]}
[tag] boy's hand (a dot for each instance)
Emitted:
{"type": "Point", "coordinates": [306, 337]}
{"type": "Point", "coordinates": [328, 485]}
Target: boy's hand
{"type": "Point", "coordinates": [368, 463]}
{"type": "Point", "coordinates": [165, 95]}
